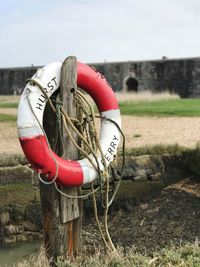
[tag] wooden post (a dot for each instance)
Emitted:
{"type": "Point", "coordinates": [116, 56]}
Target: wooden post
{"type": "Point", "coordinates": [70, 207]}
{"type": "Point", "coordinates": [61, 215]}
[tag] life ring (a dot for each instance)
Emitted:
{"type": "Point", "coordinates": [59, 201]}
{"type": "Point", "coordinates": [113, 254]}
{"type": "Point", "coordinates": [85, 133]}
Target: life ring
{"type": "Point", "coordinates": [33, 140]}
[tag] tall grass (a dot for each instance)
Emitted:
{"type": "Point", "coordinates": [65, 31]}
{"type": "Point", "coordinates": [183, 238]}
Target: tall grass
{"type": "Point", "coordinates": [9, 98]}
{"type": "Point", "coordinates": [146, 96]}
{"type": "Point", "coordinates": [173, 149]}
{"type": "Point", "coordinates": [129, 101]}
{"type": "Point", "coordinates": [39, 260]}
{"type": "Point", "coordinates": [9, 101]}
{"type": "Point", "coordinates": [8, 105]}
{"type": "Point", "coordinates": [7, 117]}
{"type": "Point", "coordinates": [187, 255]}
{"type": "Point", "coordinates": [172, 107]}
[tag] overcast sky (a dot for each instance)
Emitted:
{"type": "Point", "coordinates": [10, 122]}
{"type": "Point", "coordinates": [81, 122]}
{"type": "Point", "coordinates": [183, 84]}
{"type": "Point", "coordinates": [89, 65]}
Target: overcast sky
{"type": "Point", "coordinates": [41, 31]}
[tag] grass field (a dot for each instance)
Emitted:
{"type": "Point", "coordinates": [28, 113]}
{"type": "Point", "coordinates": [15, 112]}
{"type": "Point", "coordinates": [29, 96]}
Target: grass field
{"type": "Point", "coordinates": [142, 104]}
{"type": "Point", "coordinates": [145, 96]}
{"type": "Point", "coordinates": [162, 108]}
{"type": "Point", "coordinates": [159, 104]}
{"type": "Point", "coordinates": [8, 101]}
{"type": "Point", "coordinates": [9, 98]}
{"type": "Point", "coordinates": [8, 105]}
{"type": "Point", "coordinates": [159, 108]}
{"type": "Point", "coordinates": [7, 117]}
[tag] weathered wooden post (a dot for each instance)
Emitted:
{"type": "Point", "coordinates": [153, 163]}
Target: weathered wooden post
{"type": "Point", "coordinates": [61, 215]}
{"type": "Point", "coordinates": [70, 207]}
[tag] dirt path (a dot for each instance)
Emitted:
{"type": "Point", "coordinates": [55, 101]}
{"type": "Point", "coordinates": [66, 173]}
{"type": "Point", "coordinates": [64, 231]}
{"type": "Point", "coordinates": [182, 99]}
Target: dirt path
{"type": "Point", "coordinates": [139, 131]}
{"type": "Point", "coordinates": [142, 131]}
{"type": "Point", "coordinates": [8, 138]}
{"type": "Point", "coordinates": [9, 111]}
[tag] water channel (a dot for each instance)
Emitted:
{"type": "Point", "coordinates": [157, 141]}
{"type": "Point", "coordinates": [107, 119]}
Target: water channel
{"type": "Point", "coordinates": [16, 253]}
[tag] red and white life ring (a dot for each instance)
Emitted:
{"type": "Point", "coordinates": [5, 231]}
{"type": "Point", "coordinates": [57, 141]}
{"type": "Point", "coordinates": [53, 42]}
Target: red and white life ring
{"type": "Point", "coordinates": [31, 136]}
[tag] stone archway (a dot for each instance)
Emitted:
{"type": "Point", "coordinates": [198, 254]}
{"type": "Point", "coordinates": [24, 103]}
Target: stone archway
{"type": "Point", "coordinates": [131, 84]}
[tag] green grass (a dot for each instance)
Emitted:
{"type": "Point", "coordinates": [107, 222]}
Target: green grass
{"type": "Point", "coordinates": [10, 160]}
{"type": "Point", "coordinates": [17, 193]}
{"type": "Point", "coordinates": [8, 105]}
{"type": "Point", "coordinates": [9, 101]}
{"type": "Point", "coordinates": [174, 150]}
{"type": "Point", "coordinates": [161, 108]}
{"type": "Point", "coordinates": [174, 107]}
{"type": "Point", "coordinates": [14, 188]}
{"type": "Point", "coordinates": [7, 117]}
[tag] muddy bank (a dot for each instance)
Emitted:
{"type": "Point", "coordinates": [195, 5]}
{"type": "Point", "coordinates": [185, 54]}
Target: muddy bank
{"type": "Point", "coordinates": [20, 207]}
{"type": "Point", "coordinates": [153, 221]}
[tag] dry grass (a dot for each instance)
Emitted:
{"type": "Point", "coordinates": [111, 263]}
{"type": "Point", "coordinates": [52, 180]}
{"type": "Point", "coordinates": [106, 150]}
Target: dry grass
{"type": "Point", "coordinates": [35, 261]}
{"type": "Point", "coordinates": [122, 97]}
{"type": "Point", "coordinates": [132, 97]}
{"type": "Point", "coordinates": [145, 96]}
{"type": "Point", "coordinates": [9, 98]}
{"type": "Point", "coordinates": [187, 255]}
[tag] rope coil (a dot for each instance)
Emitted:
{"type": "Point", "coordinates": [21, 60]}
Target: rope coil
{"type": "Point", "coordinates": [89, 145]}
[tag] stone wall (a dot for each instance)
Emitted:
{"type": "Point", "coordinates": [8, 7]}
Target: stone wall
{"type": "Point", "coordinates": [13, 80]}
{"type": "Point", "coordinates": [181, 76]}
{"type": "Point", "coordinates": [20, 207]}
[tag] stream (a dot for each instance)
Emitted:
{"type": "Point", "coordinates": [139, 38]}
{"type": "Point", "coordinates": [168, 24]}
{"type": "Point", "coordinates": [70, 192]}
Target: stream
{"type": "Point", "coordinates": [16, 253]}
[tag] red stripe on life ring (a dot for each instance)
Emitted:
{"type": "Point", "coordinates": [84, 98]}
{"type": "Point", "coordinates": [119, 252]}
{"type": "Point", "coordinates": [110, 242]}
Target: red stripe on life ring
{"type": "Point", "coordinates": [97, 87]}
{"type": "Point", "coordinates": [37, 153]}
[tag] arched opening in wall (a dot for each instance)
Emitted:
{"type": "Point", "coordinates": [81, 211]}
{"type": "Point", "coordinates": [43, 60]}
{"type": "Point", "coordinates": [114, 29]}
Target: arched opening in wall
{"type": "Point", "coordinates": [131, 85]}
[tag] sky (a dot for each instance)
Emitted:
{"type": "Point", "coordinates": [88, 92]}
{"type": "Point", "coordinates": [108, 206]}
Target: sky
{"type": "Point", "coordinates": [42, 31]}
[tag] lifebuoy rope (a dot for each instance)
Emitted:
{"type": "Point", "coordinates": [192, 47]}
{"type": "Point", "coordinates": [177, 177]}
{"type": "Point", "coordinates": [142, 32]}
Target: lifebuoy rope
{"type": "Point", "coordinates": [66, 119]}
{"type": "Point", "coordinates": [92, 143]}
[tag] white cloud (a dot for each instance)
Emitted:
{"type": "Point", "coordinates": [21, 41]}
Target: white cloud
{"type": "Point", "coordinates": [96, 30]}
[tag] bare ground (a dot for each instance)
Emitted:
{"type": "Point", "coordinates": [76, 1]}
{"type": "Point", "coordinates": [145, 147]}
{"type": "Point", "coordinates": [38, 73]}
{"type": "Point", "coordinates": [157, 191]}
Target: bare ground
{"type": "Point", "coordinates": [154, 221]}
{"type": "Point", "coordinates": [8, 138]}
{"type": "Point", "coordinates": [8, 111]}
{"type": "Point", "coordinates": [142, 131]}
{"type": "Point", "coordinates": [139, 131]}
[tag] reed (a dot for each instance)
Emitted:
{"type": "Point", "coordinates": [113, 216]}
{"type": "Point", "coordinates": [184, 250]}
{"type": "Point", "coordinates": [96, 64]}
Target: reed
{"type": "Point", "coordinates": [146, 96]}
